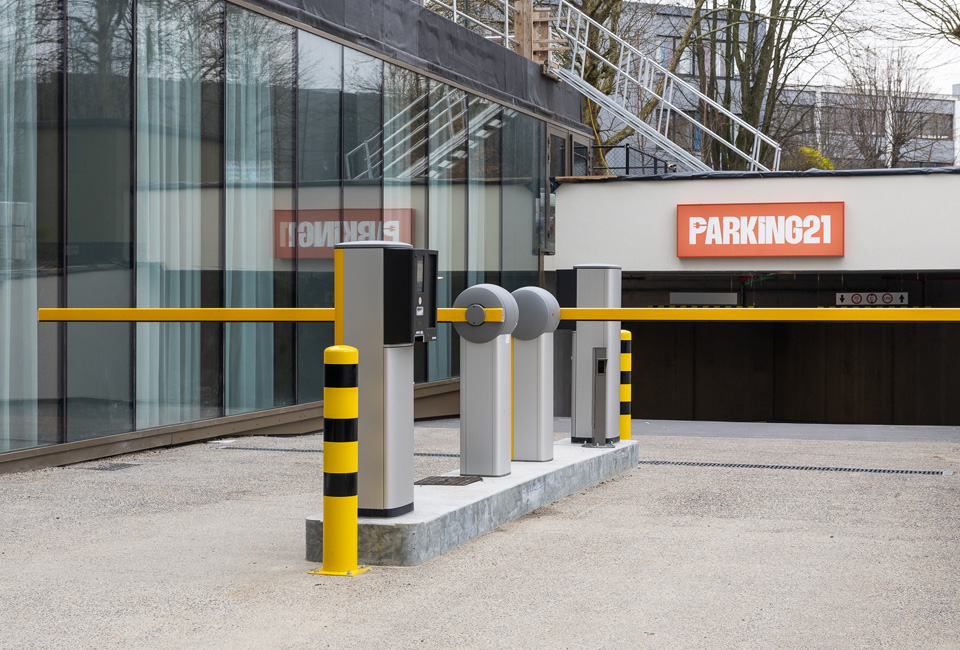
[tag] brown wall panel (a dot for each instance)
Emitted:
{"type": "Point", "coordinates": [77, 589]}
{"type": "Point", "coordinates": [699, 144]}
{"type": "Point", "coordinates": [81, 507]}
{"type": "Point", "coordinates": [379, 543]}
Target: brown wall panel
{"type": "Point", "coordinates": [663, 355]}
{"type": "Point", "coordinates": [733, 372]}
{"type": "Point", "coordinates": [853, 373]}
{"type": "Point", "coordinates": [926, 358]}
{"type": "Point", "coordinates": [859, 378]}
{"type": "Point", "coordinates": [800, 363]}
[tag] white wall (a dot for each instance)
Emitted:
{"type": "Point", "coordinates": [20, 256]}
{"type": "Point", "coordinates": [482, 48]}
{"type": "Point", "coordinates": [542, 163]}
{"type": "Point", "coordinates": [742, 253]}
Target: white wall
{"type": "Point", "coordinates": [893, 222]}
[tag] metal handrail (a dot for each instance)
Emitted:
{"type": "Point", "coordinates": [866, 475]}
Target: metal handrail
{"type": "Point", "coordinates": [575, 26]}
{"type": "Point", "coordinates": [570, 24]}
{"type": "Point", "coordinates": [451, 5]}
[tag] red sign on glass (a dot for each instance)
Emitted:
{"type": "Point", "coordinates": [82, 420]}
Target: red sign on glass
{"type": "Point", "coordinates": [316, 232]}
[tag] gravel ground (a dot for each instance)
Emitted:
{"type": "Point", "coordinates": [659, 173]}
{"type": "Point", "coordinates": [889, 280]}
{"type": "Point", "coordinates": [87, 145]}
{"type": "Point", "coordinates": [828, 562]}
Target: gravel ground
{"type": "Point", "coordinates": [202, 547]}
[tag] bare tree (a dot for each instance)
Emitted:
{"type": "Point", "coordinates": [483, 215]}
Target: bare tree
{"type": "Point", "coordinates": [936, 18]}
{"type": "Point", "coordinates": [748, 56]}
{"type": "Point", "coordinates": [884, 116]}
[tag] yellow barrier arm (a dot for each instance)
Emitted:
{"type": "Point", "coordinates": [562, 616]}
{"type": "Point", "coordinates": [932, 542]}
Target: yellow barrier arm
{"type": "Point", "coordinates": [188, 315]}
{"type": "Point", "coordinates": [225, 315]}
{"type": "Point", "coordinates": [766, 314]}
{"type": "Point", "coordinates": [459, 315]}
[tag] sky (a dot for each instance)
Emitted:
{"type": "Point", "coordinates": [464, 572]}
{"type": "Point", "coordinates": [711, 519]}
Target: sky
{"type": "Point", "coordinates": [940, 59]}
{"type": "Point", "coordinates": [944, 67]}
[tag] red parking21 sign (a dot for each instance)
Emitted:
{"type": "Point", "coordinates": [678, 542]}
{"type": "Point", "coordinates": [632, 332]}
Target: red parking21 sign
{"type": "Point", "coordinates": [760, 230]}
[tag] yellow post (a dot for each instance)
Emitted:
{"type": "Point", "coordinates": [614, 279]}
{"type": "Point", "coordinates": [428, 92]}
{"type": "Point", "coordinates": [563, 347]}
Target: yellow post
{"type": "Point", "coordinates": [340, 461]}
{"type": "Point", "coordinates": [625, 383]}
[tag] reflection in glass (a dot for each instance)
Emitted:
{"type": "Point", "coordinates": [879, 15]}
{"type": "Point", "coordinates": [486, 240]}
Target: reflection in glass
{"type": "Point", "coordinates": [446, 175]}
{"type": "Point", "coordinates": [405, 100]}
{"type": "Point", "coordinates": [318, 201]}
{"type": "Point", "coordinates": [580, 159]}
{"type": "Point", "coordinates": [98, 220]}
{"type": "Point", "coordinates": [168, 202]}
{"type": "Point", "coordinates": [558, 156]}
{"type": "Point", "coordinates": [362, 146]}
{"type": "Point", "coordinates": [18, 210]}
{"type": "Point", "coordinates": [405, 103]}
{"type": "Point", "coordinates": [258, 147]}
{"type": "Point", "coordinates": [50, 183]}
{"type": "Point", "coordinates": [483, 255]}
{"type": "Point", "coordinates": [524, 186]}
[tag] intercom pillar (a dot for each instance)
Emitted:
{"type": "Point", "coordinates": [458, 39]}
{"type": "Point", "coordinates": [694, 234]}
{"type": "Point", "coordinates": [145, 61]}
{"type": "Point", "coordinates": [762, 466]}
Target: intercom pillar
{"type": "Point", "coordinates": [376, 295]}
{"type": "Point", "coordinates": [598, 285]}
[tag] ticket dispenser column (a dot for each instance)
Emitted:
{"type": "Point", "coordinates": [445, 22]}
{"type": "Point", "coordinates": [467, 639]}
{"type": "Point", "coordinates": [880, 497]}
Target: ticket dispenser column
{"type": "Point", "coordinates": [485, 381]}
{"type": "Point", "coordinates": [533, 374]}
{"type": "Point", "coordinates": [598, 285]}
{"type": "Point", "coordinates": [375, 297]}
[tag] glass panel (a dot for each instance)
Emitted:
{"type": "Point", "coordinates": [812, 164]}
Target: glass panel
{"type": "Point", "coordinates": [211, 202]}
{"type": "Point", "coordinates": [483, 240]}
{"type": "Point", "coordinates": [405, 102]}
{"type": "Point", "coordinates": [405, 154]}
{"type": "Point", "coordinates": [169, 206]}
{"type": "Point", "coordinates": [259, 146]}
{"type": "Point", "coordinates": [580, 153]}
{"type": "Point", "coordinates": [318, 202]}
{"type": "Point", "coordinates": [446, 230]}
{"type": "Point", "coordinates": [558, 156]}
{"type": "Point", "coordinates": [362, 146]}
{"type": "Point", "coordinates": [523, 190]}
{"type": "Point", "coordinates": [50, 30]}
{"type": "Point", "coordinates": [98, 236]}
{"type": "Point", "coordinates": [18, 213]}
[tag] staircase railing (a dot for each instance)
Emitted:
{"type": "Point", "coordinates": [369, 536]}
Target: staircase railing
{"type": "Point", "coordinates": [636, 73]}
{"type": "Point", "coordinates": [637, 78]}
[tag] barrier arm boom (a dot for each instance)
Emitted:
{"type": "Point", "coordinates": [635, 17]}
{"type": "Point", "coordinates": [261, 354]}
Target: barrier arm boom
{"type": "Point", "coordinates": [765, 314]}
{"type": "Point", "coordinates": [223, 315]}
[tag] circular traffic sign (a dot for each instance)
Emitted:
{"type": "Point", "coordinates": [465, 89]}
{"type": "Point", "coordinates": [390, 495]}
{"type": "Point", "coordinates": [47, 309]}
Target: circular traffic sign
{"type": "Point", "coordinates": [856, 298]}
{"type": "Point", "coordinates": [887, 298]}
{"type": "Point", "coordinates": [872, 298]}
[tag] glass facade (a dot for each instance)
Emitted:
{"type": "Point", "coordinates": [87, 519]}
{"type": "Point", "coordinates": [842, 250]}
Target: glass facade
{"type": "Point", "coordinates": [165, 153]}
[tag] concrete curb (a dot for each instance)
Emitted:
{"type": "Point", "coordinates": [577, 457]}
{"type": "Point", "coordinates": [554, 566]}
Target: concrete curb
{"type": "Point", "coordinates": [446, 517]}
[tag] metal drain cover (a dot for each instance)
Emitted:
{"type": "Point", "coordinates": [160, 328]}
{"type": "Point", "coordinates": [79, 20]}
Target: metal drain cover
{"type": "Point", "coordinates": [111, 467]}
{"type": "Point", "coordinates": [448, 480]}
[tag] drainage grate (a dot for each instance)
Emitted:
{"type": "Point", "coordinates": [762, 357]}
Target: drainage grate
{"type": "Point", "coordinates": [297, 451]}
{"type": "Point", "coordinates": [800, 467]}
{"type": "Point", "coordinates": [448, 480]}
{"type": "Point", "coordinates": [111, 467]}
{"type": "Point", "coordinates": [317, 451]}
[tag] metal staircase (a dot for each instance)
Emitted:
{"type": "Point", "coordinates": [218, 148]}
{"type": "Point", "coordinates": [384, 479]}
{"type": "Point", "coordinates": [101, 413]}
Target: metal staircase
{"type": "Point", "coordinates": [637, 80]}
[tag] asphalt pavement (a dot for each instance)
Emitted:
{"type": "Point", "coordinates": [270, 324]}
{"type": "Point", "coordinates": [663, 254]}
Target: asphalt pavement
{"type": "Point", "coordinates": [202, 546]}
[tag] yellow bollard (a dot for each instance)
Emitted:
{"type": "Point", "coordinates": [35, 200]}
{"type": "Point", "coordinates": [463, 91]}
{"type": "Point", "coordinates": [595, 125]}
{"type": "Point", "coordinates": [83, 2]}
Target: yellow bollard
{"type": "Point", "coordinates": [340, 411]}
{"type": "Point", "coordinates": [625, 383]}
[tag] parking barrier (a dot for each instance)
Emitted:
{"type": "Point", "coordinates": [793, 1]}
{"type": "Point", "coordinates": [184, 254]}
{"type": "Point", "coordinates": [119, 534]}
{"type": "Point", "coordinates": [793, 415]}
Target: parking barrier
{"type": "Point", "coordinates": [227, 315]}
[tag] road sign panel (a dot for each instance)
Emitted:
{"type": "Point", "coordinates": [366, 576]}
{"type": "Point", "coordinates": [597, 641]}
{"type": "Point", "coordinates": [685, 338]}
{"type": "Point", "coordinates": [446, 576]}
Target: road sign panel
{"type": "Point", "coordinates": [873, 299]}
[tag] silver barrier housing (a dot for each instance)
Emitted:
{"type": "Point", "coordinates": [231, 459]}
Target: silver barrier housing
{"type": "Point", "coordinates": [485, 381]}
{"type": "Point", "coordinates": [533, 374]}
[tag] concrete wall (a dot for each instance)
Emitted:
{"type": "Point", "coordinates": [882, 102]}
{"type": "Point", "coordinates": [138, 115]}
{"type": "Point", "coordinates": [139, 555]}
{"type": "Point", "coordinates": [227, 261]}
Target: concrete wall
{"type": "Point", "coordinates": [893, 221]}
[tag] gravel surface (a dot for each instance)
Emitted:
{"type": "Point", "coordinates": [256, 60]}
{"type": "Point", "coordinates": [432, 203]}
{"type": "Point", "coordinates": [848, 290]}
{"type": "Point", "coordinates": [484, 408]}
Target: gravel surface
{"type": "Point", "coordinates": [202, 546]}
